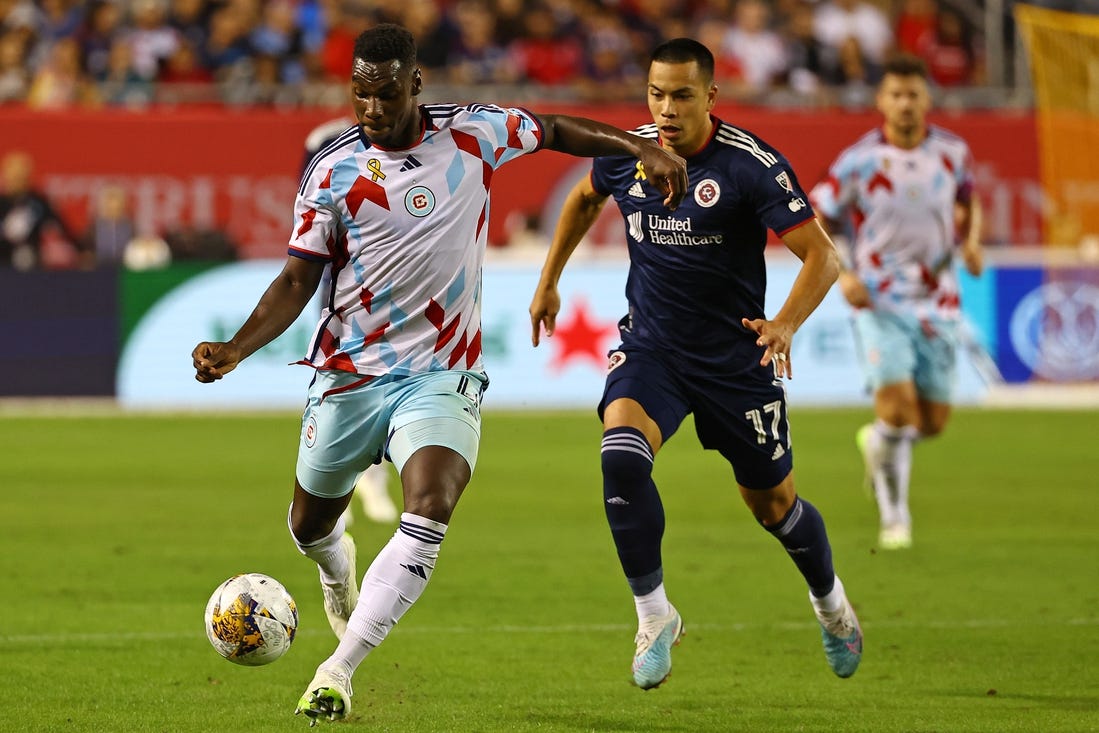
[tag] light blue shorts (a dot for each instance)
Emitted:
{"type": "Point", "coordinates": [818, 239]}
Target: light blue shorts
{"type": "Point", "coordinates": [349, 425]}
{"type": "Point", "coordinates": [895, 347]}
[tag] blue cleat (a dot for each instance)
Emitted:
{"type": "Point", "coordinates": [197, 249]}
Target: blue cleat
{"type": "Point", "coordinates": [842, 639]}
{"type": "Point", "coordinates": [652, 662]}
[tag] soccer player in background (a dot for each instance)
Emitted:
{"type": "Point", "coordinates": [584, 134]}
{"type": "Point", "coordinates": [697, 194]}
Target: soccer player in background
{"type": "Point", "coordinates": [372, 486]}
{"type": "Point", "coordinates": [696, 340]}
{"type": "Point", "coordinates": [397, 209]}
{"type": "Point", "coordinates": [907, 188]}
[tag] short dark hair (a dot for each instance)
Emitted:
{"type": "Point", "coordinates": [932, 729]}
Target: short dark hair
{"type": "Point", "coordinates": [905, 64]}
{"type": "Point", "coordinates": [684, 51]}
{"type": "Point", "coordinates": [387, 42]}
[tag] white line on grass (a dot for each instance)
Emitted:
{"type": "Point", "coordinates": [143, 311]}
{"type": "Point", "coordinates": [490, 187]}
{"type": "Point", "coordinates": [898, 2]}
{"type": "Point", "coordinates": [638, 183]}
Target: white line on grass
{"type": "Point", "coordinates": [129, 636]}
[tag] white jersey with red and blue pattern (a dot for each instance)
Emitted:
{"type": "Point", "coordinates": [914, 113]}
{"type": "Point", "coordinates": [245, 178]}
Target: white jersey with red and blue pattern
{"type": "Point", "coordinates": [404, 232]}
{"type": "Point", "coordinates": [696, 271]}
{"type": "Point", "coordinates": [901, 204]}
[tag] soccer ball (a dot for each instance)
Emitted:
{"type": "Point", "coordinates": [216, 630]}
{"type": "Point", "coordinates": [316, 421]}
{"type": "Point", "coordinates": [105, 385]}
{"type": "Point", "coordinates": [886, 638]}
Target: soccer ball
{"type": "Point", "coordinates": [251, 619]}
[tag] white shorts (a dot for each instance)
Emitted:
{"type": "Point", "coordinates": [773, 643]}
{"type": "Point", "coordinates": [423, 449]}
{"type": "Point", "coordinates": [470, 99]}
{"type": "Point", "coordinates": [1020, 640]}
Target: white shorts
{"type": "Point", "coordinates": [350, 424]}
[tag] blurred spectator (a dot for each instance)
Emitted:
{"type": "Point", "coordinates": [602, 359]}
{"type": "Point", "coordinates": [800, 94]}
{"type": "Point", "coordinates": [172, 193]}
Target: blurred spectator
{"type": "Point", "coordinates": [476, 58]}
{"type": "Point", "coordinates": [25, 215]}
{"type": "Point", "coordinates": [758, 50]}
{"type": "Point", "coordinates": [190, 242]}
{"type": "Point", "coordinates": [151, 40]}
{"type": "Point", "coordinates": [61, 81]}
{"type": "Point", "coordinates": [14, 79]}
{"type": "Point", "coordinates": [111, 230]}
{"type": "Point", "coordinates": [278, 40]}
{"type": "Point", "coordinates": [146, 253]}
{"type": "Point", "coordinates": [189, 19]}
{"type": "Point", "coordinates": [346, 20]}
{"type": "Point", "coordinates": [805, 53]}
{"type": "Point", "coordinates": [120, 84]}
{"type": "Point", "coordinates": [838, 21]}
{"type": "Point", "coordinates": [543, 55]}
{"type": "Point", "coordinates": [183, 66]}
{"type": "Point", "coordinates": [950, 51]}
{"type": "Point", "coordinates": [510, 16]}
{"type": "Point", "coordinates": [59, 19]}
{"type": "Point", "coordinates": [102, 26]}
{"type": "Point", "coordinates": [611, 73]}
{"type": "Point", "coordinates": [433, 34]}
{"type": "Point", "coordinates": [915, 23]}
{"type": "Point", "coordinates": [728, 75]}
{"type": "Point", "coordinates": [226, 44]}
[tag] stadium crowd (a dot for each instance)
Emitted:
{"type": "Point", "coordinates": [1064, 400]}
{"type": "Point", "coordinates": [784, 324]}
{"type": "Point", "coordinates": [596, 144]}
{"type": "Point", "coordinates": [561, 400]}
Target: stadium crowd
{"type": "Point", "coordinates": [132, 53]}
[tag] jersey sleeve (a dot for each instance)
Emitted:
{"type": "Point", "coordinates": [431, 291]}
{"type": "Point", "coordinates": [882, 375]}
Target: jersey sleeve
{"type": "Point", "coordinates": [316, 218]}
{"type": "Point", "coordinates": [600, 170]}
{"type": "Point", "coordinates": [833, 195]}
{"type": "Point", "coordinates": [964, 176]}
{"type": "Point", "coordinates": [781, 203]}
{"type": "Point", "coordinates": [507, 133]}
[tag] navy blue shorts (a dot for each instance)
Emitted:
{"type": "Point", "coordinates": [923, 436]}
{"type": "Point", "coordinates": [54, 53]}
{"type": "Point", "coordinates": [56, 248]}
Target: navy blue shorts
{"type": "Point", "coordinates": [743, 418]}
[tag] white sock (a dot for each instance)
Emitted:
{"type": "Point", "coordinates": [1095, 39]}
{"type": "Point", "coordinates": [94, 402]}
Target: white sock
{"type": "Point", "coordinates": [654, 603]}
{"type": "Point", "coordinates": [831, 602]}
{"type": "Point", "coordinates": [892, 474]}
{"type": "Point", "coordinates": [391, 585]}
{"type": "Point", "coordinates": [325, 551]}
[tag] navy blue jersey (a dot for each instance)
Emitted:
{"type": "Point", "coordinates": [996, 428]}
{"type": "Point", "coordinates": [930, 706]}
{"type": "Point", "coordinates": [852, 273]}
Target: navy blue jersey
{"type": "Point", "coordinates": [696, 271]}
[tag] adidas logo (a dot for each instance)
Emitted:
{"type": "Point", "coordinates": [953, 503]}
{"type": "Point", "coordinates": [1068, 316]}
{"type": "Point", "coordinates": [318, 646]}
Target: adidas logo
{"type": "Point", "coordinates": [617, 501]}
{"type": "Point", "coordinates": [410, 162]}
{"type": "Point", "coordinates": [779, 452]}
{"type": "Point", "coordinates": [417, 570]}
{"type": "Point", "coordinates": [633, 222]}
{"type": "Point", "coordinates": [636, 191]}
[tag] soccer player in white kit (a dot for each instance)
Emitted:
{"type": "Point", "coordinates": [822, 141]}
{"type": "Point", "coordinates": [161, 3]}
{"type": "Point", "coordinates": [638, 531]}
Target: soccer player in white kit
{"type": "Point", "coordinates": [397, 209]}
{"type": "Point", "coordinates": [908, 190]}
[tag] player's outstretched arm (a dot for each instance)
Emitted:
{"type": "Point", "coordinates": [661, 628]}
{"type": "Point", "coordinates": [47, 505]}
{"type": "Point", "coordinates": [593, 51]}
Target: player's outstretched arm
{"type": "Point", "coordinates": [579, 212]}
{"type": "Point", "coordinates": [819, 269]}
{"type": "Point", "coordinates": [590, 139]}
{"type": "Point", "coordinates": [280, 305]}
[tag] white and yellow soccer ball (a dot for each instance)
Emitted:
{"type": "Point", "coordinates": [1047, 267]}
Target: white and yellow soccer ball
{"type": "Point", "coordinates": [251, 619]}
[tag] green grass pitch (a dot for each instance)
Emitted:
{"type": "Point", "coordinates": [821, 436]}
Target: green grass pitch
{"type": "Point", "coordinates": [115, 529]}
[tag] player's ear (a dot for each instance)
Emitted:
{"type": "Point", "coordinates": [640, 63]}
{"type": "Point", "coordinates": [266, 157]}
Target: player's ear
{"type": "Point", "coordinates": [417, 82]}
{"type": "Point", "coordinates": [711, 96]}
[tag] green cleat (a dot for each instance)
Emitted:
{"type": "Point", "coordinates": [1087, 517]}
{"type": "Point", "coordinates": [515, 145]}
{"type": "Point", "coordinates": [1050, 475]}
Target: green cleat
{"type": "Point", "coordinates": [328, 696]}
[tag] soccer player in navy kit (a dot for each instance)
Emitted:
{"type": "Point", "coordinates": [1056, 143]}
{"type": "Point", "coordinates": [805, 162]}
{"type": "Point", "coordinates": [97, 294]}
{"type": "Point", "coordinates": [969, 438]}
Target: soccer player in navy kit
{"type": "Point", "coordinates": [696, 340]}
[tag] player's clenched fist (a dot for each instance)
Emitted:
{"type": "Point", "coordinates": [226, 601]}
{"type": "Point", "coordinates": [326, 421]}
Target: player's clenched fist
{"type": "Point", "coordinates": [214, 360]}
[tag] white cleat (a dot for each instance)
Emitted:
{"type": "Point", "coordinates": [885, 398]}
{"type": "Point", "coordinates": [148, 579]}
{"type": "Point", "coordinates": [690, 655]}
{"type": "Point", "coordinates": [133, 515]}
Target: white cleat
{"type": "Point", "coordinates": [327, 697]}
{"type": "Point", "coordinates": [373, 493]}
{"type": "Point", "coordinates": [652, 661]}
{"type": "Point", "coordinates": [895, 537]}
{"type": "Point", "coordinates": [340, 598]}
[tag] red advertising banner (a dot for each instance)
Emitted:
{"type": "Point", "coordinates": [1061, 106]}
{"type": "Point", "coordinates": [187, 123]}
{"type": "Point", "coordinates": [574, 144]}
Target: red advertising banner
{"type": "Point", "coordinates": [237, 170]}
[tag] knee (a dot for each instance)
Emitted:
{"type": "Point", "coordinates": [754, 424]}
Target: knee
{"type": "Point", "coordinates": [626, 457]}
{"type": "Point", "coordinates": [307, 528]}
{"type": "Point", "coordinates": [771, 505]}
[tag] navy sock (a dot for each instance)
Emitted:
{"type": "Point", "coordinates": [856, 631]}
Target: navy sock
{"type": "Point", "coordinates": [803, 535]}
{"type": "Point", "coordinates": [633, 507]}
